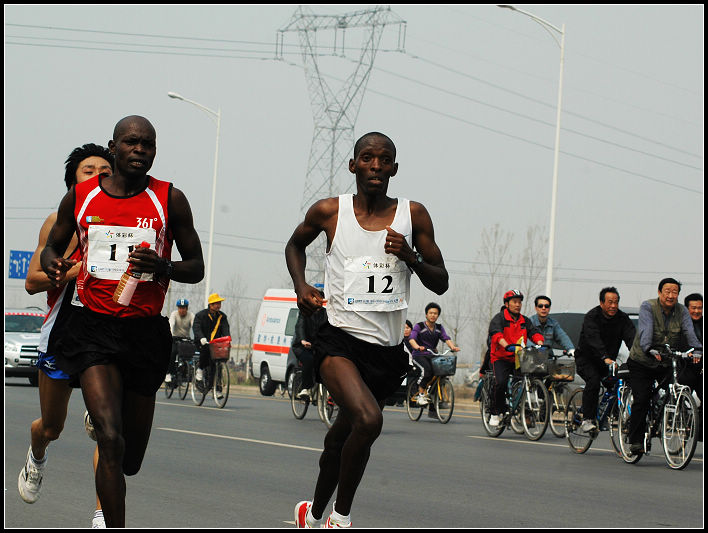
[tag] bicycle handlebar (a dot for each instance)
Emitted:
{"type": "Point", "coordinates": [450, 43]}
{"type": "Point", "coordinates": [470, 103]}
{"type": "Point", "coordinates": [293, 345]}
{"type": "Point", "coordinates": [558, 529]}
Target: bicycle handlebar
{"type": "Point", "coordinates": [666, 350]}
{"type": "Point", "coordinates": [428, 350]}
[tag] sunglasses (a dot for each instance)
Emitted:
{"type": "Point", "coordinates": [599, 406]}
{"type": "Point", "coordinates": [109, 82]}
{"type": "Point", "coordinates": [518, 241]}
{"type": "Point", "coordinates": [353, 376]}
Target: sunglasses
{"type": "Point", "coordinates": [543, 306]}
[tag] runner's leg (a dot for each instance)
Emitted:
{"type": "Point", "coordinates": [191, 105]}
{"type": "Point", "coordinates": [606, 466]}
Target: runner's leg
{"type": "Point", "coordinates": [349, 453]}
{"type": "Point", "coordinates": [102, 388]}
{"type": "Point", "coordinates": [138, 412]}
{"type": "Point", "coordinates": [53, 400]}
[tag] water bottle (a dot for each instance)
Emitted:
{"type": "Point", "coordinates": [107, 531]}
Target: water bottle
{"type": "Point", "coordinates": [128, 283]}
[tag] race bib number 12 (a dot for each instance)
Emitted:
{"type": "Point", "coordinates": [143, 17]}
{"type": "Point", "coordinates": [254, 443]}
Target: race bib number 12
{"type": "Point", "coordinates": [375, 283]}
{"type": "Point", "coordinates": [109, 247]}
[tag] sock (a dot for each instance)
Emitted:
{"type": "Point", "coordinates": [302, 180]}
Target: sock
{"type": "Point", "coordinates": [38, 464]}
{"type": "Point", "coordinates": [339, 518]}
{"type": "Point", "coordinates": [311, 520]}
{"type": "Point", "coordinates": [98, 513]}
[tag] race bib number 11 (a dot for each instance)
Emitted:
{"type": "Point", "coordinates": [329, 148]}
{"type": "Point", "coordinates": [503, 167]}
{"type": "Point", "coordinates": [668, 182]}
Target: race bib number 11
{"type": "Point", "coordinates": [109, 247]}
{"type": "Point", "coordinates": [375, 283]}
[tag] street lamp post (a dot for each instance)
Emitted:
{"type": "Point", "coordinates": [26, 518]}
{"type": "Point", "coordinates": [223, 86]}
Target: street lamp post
{"type": "Point", "coordinates": [216, 114]}
{"type": "Point", "coordinates": [552, 232]}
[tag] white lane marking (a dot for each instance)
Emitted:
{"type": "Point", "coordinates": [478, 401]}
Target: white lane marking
{"type": "Point", "coordinates": [254, 441]}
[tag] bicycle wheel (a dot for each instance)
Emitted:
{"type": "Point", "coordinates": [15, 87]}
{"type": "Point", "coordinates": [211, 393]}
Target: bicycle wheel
{"type": "Point", "coordinates": [222, 383]}
{"type": "Point", "coordinates": [169, 388]}
{"type": "Point", "coordinates": [515, 418]}
{"type": "Point", "coordinates": [183, 378]}
{"type": "Point", "coordinates": [328, 408]}
{"type": "Point", "coordinates": [298, 405]}
{"type": "Point", "coordinates": [444, 400]}
{"type": "Point", "coordinates": [679, 430]}
{"type": "Point", "coordinates": [579, 441]}
{"type": "Point", "coordinates": [414, 410]}
{"type": "Point", "coordinates": [534, 410]}
{"type": "Point", "coordinates": [558, 400]}
{"type": "Point", "coordinates": [485, 403]}
{"type": "Point", "coordinates": [612, 423]}
{"type": "Point", "coordinates": [625, 411]}
{"type": "Point", "coordinates": [199, 389]}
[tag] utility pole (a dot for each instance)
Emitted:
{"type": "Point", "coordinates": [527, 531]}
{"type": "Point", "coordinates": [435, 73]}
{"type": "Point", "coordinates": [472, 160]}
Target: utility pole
{"type": "Point", "coordinates": [334, 110]}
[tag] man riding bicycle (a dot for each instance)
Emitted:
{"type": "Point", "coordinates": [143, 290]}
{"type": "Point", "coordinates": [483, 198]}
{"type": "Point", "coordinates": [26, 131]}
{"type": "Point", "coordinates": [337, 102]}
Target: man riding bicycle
{"type": "Point", "coordinates": [424, 340]}
{"type": "Point", "coordinates": [181, 322]}
{"type": "Point", "coordinates": [209, 324]}
{"type": "Point", "coordinates": [508, 327]}
{"type": "Point", "coordinates": [550, 328]}
{"type": "Point", "coordinates": [661, 321]}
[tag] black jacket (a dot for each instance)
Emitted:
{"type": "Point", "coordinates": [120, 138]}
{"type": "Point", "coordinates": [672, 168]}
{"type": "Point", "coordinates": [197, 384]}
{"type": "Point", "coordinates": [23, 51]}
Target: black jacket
{"type": "Point", "coordinates": [204, 323]}
{"type": "Point", "coordinates": [602, 337]}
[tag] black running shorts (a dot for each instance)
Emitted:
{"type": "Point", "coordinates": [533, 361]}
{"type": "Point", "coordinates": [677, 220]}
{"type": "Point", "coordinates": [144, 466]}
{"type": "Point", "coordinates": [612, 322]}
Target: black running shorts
{"type": "Point", "coordinates": [140, 347]}
{"type": "Point", "coordinates": [382, 368]}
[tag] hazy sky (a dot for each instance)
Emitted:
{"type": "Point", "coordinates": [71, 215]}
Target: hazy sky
{"type": "Point", "coordinates": [470, 104]}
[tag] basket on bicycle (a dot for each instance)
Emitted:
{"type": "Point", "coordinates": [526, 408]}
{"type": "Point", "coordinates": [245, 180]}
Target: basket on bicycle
{"type": "Point", "coordinates": [561, 370]}
{"type": "Point", "coordinates": [531, 360]}
{"type": "Point", "coordinates": [444, 365]}
{"type": "Point", "coordinates": [220, 348]}
{"type": "Point", "coordinates": [186, 349]}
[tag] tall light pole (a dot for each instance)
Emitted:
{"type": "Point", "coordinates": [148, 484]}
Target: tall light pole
{"type": "Point", "coordinates": [552, 232]}
{"type": "Point", "coordinates": [217, 115]}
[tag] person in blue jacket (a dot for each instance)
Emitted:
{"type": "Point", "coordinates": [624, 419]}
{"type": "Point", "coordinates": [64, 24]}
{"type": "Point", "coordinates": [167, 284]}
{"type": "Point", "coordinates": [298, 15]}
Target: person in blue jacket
{"type": "Point", "coordinates": [549, 327]}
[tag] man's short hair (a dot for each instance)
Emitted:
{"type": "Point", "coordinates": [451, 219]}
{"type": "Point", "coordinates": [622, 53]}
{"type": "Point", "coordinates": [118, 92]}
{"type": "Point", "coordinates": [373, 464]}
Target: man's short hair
{"type": "Point", "coordinates": [604, 291]}
{"type": "Point", "coordinates": [364, 138]}
{"type": "Point", "coordinates": [693, 297]}
{"type": "Point", "coordinates": [432, 305]}
{"type": "Point", "coordinates": [77, 155]}
{"type": "Point", "coordinates": [669, 280]}
{"type": "Point", "coordinates": [542, 297]}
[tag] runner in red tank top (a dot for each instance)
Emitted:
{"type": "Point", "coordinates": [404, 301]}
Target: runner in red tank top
{"type": "Point", "coordinates": [120, 353]}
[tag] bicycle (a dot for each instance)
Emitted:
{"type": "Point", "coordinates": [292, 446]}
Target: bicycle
{"type": "Point", "coordinates": [183, 369]}
{"type": "Point", "coordinates": [216, 376]}
{"type": "Point", "coordinates": [606, 417]}
{"type": "Point", "coordinates": [557, 382]}
{"type": "Point", "coordinates": [672, 416]}
{"type": "Point", "coordinates": [526, 397]}
{"type": "Point", "coordinates": [439, 389]}
{"type": "Point", "coordinates": [327, 408]}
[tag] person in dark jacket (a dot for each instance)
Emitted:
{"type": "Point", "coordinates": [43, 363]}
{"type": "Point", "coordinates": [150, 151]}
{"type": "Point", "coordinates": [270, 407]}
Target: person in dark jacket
{"type": "Point", "coordinates": [209, 324]}
{"type": "Point", "coordinates": [306, 329]}
{"type": "Point", "coordinates": [604, 329]}
{"type": "Point", "coordinates": [507, 327]}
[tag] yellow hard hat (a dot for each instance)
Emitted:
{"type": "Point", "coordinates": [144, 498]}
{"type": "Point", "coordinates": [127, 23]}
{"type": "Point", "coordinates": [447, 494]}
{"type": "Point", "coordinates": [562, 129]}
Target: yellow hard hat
{"type": "Point", "coordinates": [213, 298]}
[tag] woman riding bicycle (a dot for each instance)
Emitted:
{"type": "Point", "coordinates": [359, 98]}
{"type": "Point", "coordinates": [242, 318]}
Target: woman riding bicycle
{"type": "Point", "coordinates": [424, 340]}
{"type": "Point", "coordinates": [508, 327]}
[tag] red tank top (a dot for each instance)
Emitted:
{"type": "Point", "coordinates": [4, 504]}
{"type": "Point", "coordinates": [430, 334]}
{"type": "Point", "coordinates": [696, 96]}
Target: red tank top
{"type": "Point", "coordinates": [109, 227]}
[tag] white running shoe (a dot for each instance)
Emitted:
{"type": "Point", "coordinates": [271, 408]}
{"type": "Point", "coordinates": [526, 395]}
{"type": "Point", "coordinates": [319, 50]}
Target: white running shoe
{"type": "Point", "coordinates": [200, 374]}
{"type": "Point", "coordinates": [421, 400]}
{"type": "Point", "coordinates": [29, 483]}
{"type": "Point", "coordinates": [98, 521]}
{"type": "Point", "coordinates": [587, 426]}
{"type": "Point", "coordinates": [304, 394]}
{"type": "Point", "coordinates": [331, 523]}
{"type": "Point", "coordinates": [494, 420]}
{"type": "Point", "coordinates": [168, 378]}
{"type": "Point", "coordinates": [88, 425]}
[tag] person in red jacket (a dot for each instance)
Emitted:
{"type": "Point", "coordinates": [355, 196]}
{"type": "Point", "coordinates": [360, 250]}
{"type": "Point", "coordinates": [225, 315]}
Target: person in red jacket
{"type": "Point", "coordinates": [508, 327]}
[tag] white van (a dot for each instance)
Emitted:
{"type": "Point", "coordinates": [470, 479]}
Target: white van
{"type": "Point", "coordinates": [272, 360]}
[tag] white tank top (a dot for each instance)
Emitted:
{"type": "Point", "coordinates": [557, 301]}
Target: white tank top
{"type": "Point", "coordinates": [367, 290]}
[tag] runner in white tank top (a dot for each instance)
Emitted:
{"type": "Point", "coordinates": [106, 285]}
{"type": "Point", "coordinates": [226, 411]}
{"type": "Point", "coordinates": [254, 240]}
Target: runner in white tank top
{"type": "Point", "coordinates": [374, 242]}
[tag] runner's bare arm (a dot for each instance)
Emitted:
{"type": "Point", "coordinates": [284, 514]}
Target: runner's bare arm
{"type": "Point", "coordinates": [191, 268]}
{"type": "Point", "coordinates": [51, 259]}
{"type": "Point", "coordinates": [320, 217]}
{"type": "Point", "coordinates": [432, 272]}
{"type": "Point", "coordinates": [37, 280]}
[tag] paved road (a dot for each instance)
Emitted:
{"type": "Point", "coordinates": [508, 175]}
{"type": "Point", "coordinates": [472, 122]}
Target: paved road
{"type": "Point", "coordinates": [248, 464]}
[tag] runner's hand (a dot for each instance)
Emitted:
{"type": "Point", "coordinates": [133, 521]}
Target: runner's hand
{"type": "Point", "coordinates": [57, 271]}
{"type": "Point", "coordinates": [397, 245]}
{"type": "Point", "coordinates": [309, 299]}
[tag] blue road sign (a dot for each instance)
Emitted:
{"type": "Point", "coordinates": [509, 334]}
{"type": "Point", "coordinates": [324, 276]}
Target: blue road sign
{"type": "Point", "coordinates": [19, 264]}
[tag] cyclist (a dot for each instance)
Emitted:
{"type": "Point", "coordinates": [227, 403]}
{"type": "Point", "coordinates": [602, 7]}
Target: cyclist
{"type": "Point", "coordinates": [305, 333]}
{"type": "Point", "coordinates": [604, 328]}
{"type": "Point", "coordinates": [181, 322]}
{"type": "Point", "coordinates": [407, 336]}
{"type": "Point", "coordinates": [661, 321]}
{"type": "Point", "coordinates": [549, 327]}
{"type": "Point", "coordinates": [209, 324]}
{"type": "Point", "coordinates": [507, 327]}
{"type": "Point", "coordinates": [424, 339]}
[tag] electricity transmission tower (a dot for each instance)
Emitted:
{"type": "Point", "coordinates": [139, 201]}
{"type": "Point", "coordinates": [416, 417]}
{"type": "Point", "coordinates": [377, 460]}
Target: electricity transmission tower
{"type": "Point", "coordinates": [335, 110]}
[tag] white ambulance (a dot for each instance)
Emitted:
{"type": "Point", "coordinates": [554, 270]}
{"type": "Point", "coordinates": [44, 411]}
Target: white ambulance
{"type": "Point", "coordinates": [272, 360]}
